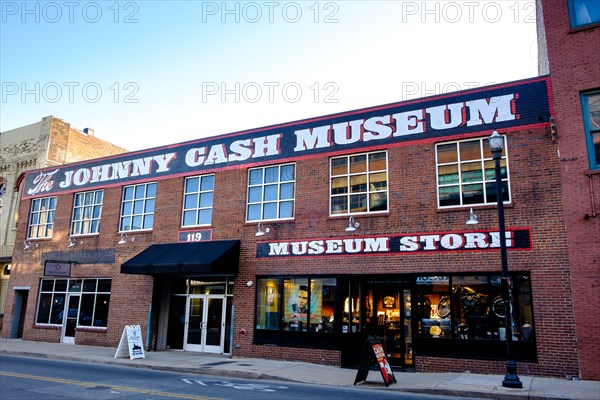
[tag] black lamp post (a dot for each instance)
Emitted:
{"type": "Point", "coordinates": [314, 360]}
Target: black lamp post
{"type": "Point", "coordinates": [511, 379]}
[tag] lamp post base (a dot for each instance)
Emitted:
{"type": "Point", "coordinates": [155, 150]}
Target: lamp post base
{"type": "Point", "coordinates": [511, 379]}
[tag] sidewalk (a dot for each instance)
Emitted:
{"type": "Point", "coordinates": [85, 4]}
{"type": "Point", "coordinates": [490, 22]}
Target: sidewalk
{"type": "Point", "coordinates": [452, 384]}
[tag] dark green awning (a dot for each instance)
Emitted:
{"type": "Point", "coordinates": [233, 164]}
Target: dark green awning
{"type": "Point", "coordinates": [214, 257]}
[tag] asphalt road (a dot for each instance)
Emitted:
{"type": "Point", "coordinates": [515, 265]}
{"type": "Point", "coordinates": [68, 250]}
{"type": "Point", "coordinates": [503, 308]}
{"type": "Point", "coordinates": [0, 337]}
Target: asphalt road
{"type": "Point", "coordinates": [24, 378]}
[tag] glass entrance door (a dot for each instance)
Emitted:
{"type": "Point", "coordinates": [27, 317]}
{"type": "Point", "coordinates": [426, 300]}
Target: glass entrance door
{"type": "Point", "coordinates": [70, 314]}
{"type": "Point", "coordinates": [389, 317]}
{"type": "Point", "coordinates": [205, 323]}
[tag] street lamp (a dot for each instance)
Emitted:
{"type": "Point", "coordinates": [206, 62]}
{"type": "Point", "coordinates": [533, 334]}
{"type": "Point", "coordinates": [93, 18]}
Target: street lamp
{"type": "Point", "coordinates": [511, 379]}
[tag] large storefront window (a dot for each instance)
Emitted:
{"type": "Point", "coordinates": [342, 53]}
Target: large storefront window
{"type": "Point", "coordinates": [268, 304]}
{"type": "Point", "coordinates": [299, 306]}
{"type": "Point", "coordinates": [295, 304]}
{"type": "Point", "coordinates": [93, 307]}
{"type": "Point", "coordinates": [466, 312]}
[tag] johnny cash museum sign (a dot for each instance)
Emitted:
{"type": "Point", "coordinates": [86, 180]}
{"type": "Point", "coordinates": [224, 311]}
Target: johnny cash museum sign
{"type": "Point", "coordinates": [413, 243]}
{"type": "Point", "coordinates": [518, 104]}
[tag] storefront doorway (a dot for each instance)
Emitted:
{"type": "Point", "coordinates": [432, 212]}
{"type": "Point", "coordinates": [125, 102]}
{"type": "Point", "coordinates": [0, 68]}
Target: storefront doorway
{"type": "Point", "coordinates": [69, 321]}
{"type": "Point", "coordinates": [377, 306]}
{"type": "Point", "coordinates": [205, 323]}
{"type": "Point", "coordinates": [199, 316]}
{"type": "Point", "coordinates": [389, 318]}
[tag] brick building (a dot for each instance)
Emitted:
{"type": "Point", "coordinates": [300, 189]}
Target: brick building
{"type": "Point", "coordinates": [46, 143]}
{"type": "Point", "coordinates": [571, 44]}
{"type": "Point", "coordinates": [299, 240]}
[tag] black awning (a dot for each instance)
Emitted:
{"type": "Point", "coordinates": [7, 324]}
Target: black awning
{"type": "Point", "coordinates": [215, 257]}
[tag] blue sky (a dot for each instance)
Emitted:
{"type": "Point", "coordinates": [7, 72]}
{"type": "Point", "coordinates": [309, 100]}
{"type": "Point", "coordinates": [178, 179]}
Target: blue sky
{"type": "Point", "coordinates": [150, 73]}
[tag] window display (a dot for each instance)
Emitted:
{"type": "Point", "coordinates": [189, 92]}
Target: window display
{"type": "Point", "coordinates": [268, 299]}
{"type": "Point", "coordinates": [471, 307]}
{"type": "Point", "coordinates": [297, 305]}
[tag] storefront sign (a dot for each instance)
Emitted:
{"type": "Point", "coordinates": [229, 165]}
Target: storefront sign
{"type": "Point", "coordinates": [501, 107]}
{"type": "Point", "coordinates": [414, 243]}
{"type": "Point", "coordinates": [57, 268]}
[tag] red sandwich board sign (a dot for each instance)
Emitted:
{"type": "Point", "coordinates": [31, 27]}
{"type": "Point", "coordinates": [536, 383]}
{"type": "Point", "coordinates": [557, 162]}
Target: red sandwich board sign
{"type": "Point", "coordinates": [373, 351]}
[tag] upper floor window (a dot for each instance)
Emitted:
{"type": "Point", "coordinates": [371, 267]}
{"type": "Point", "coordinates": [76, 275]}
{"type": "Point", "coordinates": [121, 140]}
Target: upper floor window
{"type": "Point", "coordinates": [584, 12]}
{"type": "Point", "coordinates": [271, 192]}
{"type": "Point", "coordinates": [591, 122]}
{"type": "Point", "coordinates": [137, 209]}
{"type": "Point", "coordinates": [41, 218]}
{"type": "Point", "coordinates": [466, 174]}
{"type": "Point", "coordinates": [198, 200]}
{"type": "Point", "coordinates": [87, 207]}
{"type": "Point", "coordinates": [359, 183]}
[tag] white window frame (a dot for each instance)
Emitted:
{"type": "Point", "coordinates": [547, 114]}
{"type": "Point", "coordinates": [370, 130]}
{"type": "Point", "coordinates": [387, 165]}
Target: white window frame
{"type": "Point", "coordinates": [371, 193]}
{"type": "Point", "coordinates": [197, 208]}
{"type": "Point", "coordinates": [71, 288]}
{"type": "Point", "coordinates": [486, 164]}
{"type": "Point", "coordinates": [278, 201]}
{"type": "Point", "coordinates": [143, 214]}
{"type": "Point", "coordinates": [45, 209]}
{"type": "Point", "coordinates": [88, 222]}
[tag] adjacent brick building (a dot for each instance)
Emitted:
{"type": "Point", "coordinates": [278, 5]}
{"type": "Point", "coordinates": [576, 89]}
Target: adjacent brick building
{"type": "Point", "coordinates": [48, 142]}
{"type": "Point", "coordinates": [297, 241]}
{"type": "Point", "coordinates": [571, 42]}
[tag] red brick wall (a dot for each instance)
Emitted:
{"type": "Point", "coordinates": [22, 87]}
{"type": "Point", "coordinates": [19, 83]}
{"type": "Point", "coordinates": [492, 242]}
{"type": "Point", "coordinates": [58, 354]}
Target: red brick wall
{"type": "Point", "coordinates": [574, 59]}
{"type": "Point", "coordinates": [537, 204]}
{"type": "Point", "coordinates": [535, 184]}
{"type": "Point", "coordinates": [67, 145]}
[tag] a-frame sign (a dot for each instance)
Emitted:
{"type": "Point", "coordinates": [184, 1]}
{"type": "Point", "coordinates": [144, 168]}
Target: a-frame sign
{"type": "Point", "coordinates": [373, 352]}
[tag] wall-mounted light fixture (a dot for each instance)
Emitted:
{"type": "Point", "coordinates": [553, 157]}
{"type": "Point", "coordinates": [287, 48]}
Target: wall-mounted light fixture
{"type": "Point", "coordinates": [260, 230]}
{"type": "Point", "coordinates": [472, 218]}
{"type": "Point", "coordinates": [26, 245]}
{"type": "Point", "coordinates": [73, 242]}
{"type": "Point", "coordinates": [124, 239]}
{"type": "Point", "coordinates": [249, 283]}
{"type": "Point", "coordinates": [352, 225]}
{"type": "Point", "coordinates": [553, 130]}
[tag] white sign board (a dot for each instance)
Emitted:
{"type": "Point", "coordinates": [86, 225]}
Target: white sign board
{"type": "Point", "coordinates": [131, 343]}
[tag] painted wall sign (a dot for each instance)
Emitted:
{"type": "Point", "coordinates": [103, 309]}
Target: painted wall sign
{"type": "Point", "coordinates": [413, 243]}
{"type": "Point", "coordinates": [516, 104]}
